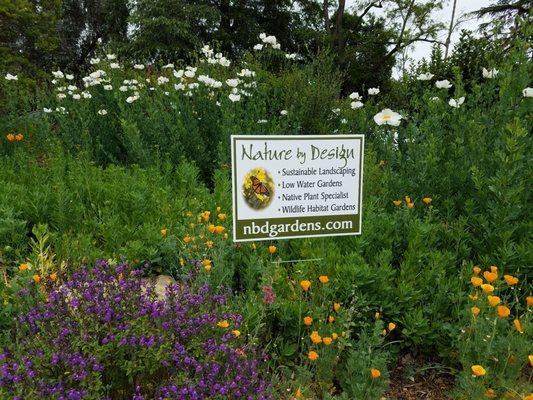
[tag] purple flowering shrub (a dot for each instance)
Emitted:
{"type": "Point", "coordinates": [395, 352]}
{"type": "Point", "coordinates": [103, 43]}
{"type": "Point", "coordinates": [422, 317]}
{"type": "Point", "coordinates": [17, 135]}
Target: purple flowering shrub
{"type": "Point", "coordinates": [104, 334]}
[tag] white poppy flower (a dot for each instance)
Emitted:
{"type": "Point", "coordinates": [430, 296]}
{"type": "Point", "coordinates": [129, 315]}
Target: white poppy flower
{"type": "Point", "coordinates": [336, 111]}
{"type": "Point", "coordinates": [10, 77]}
{"type": "Point", "coordinates": [232, 82]}
{"type": "Point", "coordinates": [262, 121]}
{"type": "Point", "coordinates": [123, 88]}
{"type": "Point", "coordinates": [262, 36]}
{"type": "Point", "coordinates": [258, 46]}
{"type": "Point", "coordinates": [114, 65]}
{"type": "Point", "coordinates": [355, 96]}
{"type": "Point", "coordinates": [69, 77]}
{"type": "Point", "coordinates": [373, 91]}
{"type": "Point", "coordinates": [103, 111]}
{"type": "Point", "coordinates": [224, 62]}
{"type": "Point", "coordinates": [58, 74]}
{"type": "Point", "coordinates": [344, 121]}
{"type": "Point", "coordinates": [189, 73]}
{"type": "Point", "coordinates": [161, 80]}
{"type": "Point", "coordinates": [108, 87]}
{"type": "Point", "coordinates": [290, 56]}
{"type": "Point", "coordinates": [445, 84]}
{"type": "Point", "coordinates": [131, 99]}
{"type": "Point", "coordinates": [178, 74]}
{"type": "Point", "coordinates": [435, 98]}
{"type": "Point", "coordinates": [47, 110]}
{"type": "Point", "coordinates": [138, 66]}
{"type": "Point", "coordinates": [527, 92]}
{"type": "Point", "coordinates": [94, 61]}
{"type": "Point", "coordinates": [86, 95]}
{"type": "Point", "coordinates": [234, 97]}
{"type": "Point", "coordinates": [179, 86]}
{"type": "Point", "coordinates": [76, 96]}
{"type": "Point", "coordinates": [72, 87]}
{"type": "Point", "coordinates": [61, 96]}
{"type": "Point", "coordinates": [168, 66]}
{"type": "Point", "coordinates": [276, 46]}
{"type": "Point", "coordinates": [111, 57]}
{"type": "Point", "coordinates": [245, 72]}
{"type": "Point", "coordinates": [283, 112]}
{"type": "Point", "coordinates": [425, 77]}
{"type": "Point", "coordinates": [387, 117]}
{"type": "Point", "coordinates": [356, 104]}
{"type": "Point", "coordinates": [489, 74]}
{"type": "Point", "coordinates": [456, 103]}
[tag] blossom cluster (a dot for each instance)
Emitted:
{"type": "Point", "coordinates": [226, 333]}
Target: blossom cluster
{"type": "Point", "coordinates": [105, 326]}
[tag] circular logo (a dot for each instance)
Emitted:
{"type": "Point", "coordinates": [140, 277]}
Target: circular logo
{"type": "Point", "coordinates": [258, 188]}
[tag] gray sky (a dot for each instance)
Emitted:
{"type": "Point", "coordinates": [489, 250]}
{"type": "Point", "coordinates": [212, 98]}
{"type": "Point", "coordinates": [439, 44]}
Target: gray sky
{"type": "Point", "coordinates": [422, 49]}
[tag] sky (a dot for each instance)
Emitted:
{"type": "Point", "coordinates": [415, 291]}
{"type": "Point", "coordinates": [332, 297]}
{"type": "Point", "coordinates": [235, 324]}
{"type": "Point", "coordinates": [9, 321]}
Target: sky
{"type": "Point", "coordinates": [422, 49]}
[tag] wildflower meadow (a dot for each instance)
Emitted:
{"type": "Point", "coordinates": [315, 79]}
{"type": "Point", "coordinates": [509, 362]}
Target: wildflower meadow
{"type": "Point", "coordinates": [120, 278]}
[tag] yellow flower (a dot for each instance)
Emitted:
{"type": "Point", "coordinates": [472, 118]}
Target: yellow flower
{"type": "Point", "coordinates": [187, 239]}
{"type": "Point", "coordinates": [407, 199]}
{"type": "Point", "coordinates": [23, 267]}
{"type": "Point", "coordinates": [323, 279]}
{"type": "Point", "coordinates": [219, 229]}
{"type": "Point", "coordinates": [211, 228]}
{"type": "Point", "coordinates": [164, 232]}
{"type": "Point", "coordinates": [377, 315]}
{"type": "Point", "coordinates": [315, 337]}
{"type": "Point", "coordinates": [490, 276]}
{"type": "Point", "coordinates": [313, 355]}
{"type": "Point", "coordinates": [221, 216]}
{"type": "Point", "coordinates": [493, 300]}
{"type": "Point", "coordinates": [510, 280]}
{"type": "Point", "coordinates": [487, 288]}
{"type": "Point", "coordinates": [253, 246]}
{"type": "Point", "coordinates": [476, 281]}
{"type": "Point", "coordinates": [334, 336]}
{"type": "Point", "coordinates": [503, 312]}
{"type": "Point", "coordinates": [336, 306]}
{"type": "Point", "coordinates": [529, 397]}
{"type": "Point", "coordinates": [530, 359]}
{"type": "Point", "coordinates": [476, 270]}
{"type": "Point", "coordinates": [308, 321]}
{"type": "Point", "coordinates": [272, 249]}
{"type": "Point", "coordinates": [223, 324]}
{"type": "Point", "coordinates": [209, 244]}
{"type": "Point", "coordinates": [410, 205]}
{"type": "Point", "coordinates": [375, 373]}
{"type": "Point", "coordinates": [19, 137]}
{"type": "Point", "coordinates": [305, 284]}
{"type": "Point", "coordinates": [490, 393]}
{"type": "Point", "coordinates": [494, 269]}
{"type": "Point", "coordinates": [36, 278]}
{"type": "Point", "coordinates": [236, 333]}
{"type": "Point", "coordinates": [207, 264]}
{"type": "Point", "coordinates": [518, 326]}
{"type": "Point", "coordinates": [53, 276]}
{"type": "Point", "coordinates": [188, 214]}
{"type": "Point", "coordinates": [10, 137]}
{"type": "Point", "coordinates": [205, 216]}
{"type": "Point", "coordinates": [427, 200]}
{"type": "Point", "coordinates": [529, 300]}
{"type": "Point", "coordinates": [473, 296]}
{"type": "Point", "coordinates": [391, 326]}
{"type": "Point", "coordinates": [327, 340]}
{"type": "Point", "coordinates": [478, 370]}
{"type": "Point", "coordinates": [218, 209]}
{"type": "Point", "coordinates": [331, 319]}
{"type": "Point", "coordinates": [397, 202]}
{"type": "Point", "coordinates": [475, 311]}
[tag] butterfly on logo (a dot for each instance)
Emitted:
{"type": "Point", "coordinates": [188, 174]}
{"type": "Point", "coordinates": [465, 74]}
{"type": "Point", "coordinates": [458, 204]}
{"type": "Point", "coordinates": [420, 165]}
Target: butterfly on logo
{"type": "Point", "coordinates": [259, 187]}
